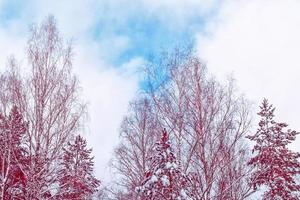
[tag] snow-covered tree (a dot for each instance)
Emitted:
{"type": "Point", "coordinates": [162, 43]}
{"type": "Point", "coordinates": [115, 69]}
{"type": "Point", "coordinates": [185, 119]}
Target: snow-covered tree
{"type": "Point", "coordinates": [76, 179]}
{"type": "Point", "coordinates": [139, 132]}
{"type": "Point", "coordinates": [12, 155]}
{"type": "Point", "coordinates": [48, 97]}
{"type": "Point", "coordinates": [165, 180]}
{"type": "Point", "coordinates": [207, 119]}
{"type": "Point", "coordinates": [276, 165]}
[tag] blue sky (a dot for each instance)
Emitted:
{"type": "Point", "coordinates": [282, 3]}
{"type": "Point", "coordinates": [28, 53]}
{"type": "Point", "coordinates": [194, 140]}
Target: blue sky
{"type": "Point", "coordinates": [258, 41]}
{"type": "Point", "coordinates": [129, 28]}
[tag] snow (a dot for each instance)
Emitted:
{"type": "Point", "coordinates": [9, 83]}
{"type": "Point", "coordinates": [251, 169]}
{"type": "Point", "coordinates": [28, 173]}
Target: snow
{"type": "Point", "coordinates": [165, 180]}
{"type": "Point", "coordinates": [171, 165]}
{"type": "Point", "coordinates": [184, 195]}
{"type": "Point", "coordinates": [159, 171]}
{"type": "Point", "coordinates": [153, 179]}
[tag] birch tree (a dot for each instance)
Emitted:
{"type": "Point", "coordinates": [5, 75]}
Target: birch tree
{"type": "Point", "coordinates": [207, 121]}
{"type": "Point", "coordinates": [138, 135]}
{"type": "Point", "coordinates": [48, 97]}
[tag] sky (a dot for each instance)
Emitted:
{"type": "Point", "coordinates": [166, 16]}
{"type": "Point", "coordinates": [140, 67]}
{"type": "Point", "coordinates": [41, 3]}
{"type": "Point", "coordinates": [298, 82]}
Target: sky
{"type": "Point", "coordinates": [256, 41]}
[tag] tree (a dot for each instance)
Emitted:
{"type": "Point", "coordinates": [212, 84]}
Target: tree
{"type": "Point", "coordinates": [275, 165]}
{"type": "Point", "coordinates": [132, 156]}
{"type": "Point", "coordinates": [208, 121]}
{"type": "Point", "coordinates": [76, 180]}
{"type": "Point", "coordinates": [48, 98]}
{"type": "Point", "coordinates": [11, 88]}
{"type": "Point", "coordinates": [165, 179]}
{"type": "Point", "coordinates": [53, 109]}
{"type": "Point", "coordinates": [13, 155]}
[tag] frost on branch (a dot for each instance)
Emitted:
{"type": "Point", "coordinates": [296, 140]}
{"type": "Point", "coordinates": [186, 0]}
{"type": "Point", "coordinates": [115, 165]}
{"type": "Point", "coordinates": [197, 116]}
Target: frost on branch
{"type": "Point", "coordinates": [165, 180]}
{"type": "Point", "coordinates": [276, 165]}
{"type": "Point", "coordinates": [76, 180]}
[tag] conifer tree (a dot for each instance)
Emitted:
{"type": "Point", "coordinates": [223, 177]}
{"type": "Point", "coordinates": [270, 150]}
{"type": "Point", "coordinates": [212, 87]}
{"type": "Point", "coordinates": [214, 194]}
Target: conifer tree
{"type": "Point", "coordinates": [275, 165]}
{"type": "Point", "coordinates": [76, 179]}
{"type": "Point", "coordinates": [12, 155]}
{"type": "Point", "coordinates": [165, 180]}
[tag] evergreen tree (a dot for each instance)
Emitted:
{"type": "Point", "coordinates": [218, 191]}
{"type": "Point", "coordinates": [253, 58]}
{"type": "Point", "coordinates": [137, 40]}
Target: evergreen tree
{"type": "Point", "coordinates": [164, 180]}
{"type": "Point", "coordinates": [76, 179]}
{"type": "Point", "coordinates": [276, 165]}
{"type": "Point", "coordinates": [13, 155]}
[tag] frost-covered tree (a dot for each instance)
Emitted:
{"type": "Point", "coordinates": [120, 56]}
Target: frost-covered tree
{"type": "Point", "coordinates": [208, 121]}
{"type": "Point", "coordinates": [165, 179]}
{"type": "Point", "coordinates": [48, 97]}
{"type": "Point", "coordinates": [76, 179]}
{"type": "Point", "coordinates": [139, 132]}
{"type": "Point", "coordinates": [276, 165]}
{"type": "Point", "coordinates": [12, 155]}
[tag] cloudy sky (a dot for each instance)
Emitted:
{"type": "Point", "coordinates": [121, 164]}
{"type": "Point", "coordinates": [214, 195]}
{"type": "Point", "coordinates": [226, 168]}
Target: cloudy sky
{"type": "Point", "coordinates": [256, 41]}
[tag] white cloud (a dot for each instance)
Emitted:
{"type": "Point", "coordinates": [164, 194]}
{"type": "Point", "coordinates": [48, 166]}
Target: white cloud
{"type": "Point", "coordinates": [108, 94]}
{"type": "Point", "coordinates": [107, 90]}
{"type": "Point", "coordinates": [11, 44]}
{"type": "Point", "coordinates": [259, 42]}
{"type": "Point", "coordinates": [173, 14]}
{"type": "Point", "coordinates": [176, 12]}
{"type": "Point", "coordinates": [75, 17]}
